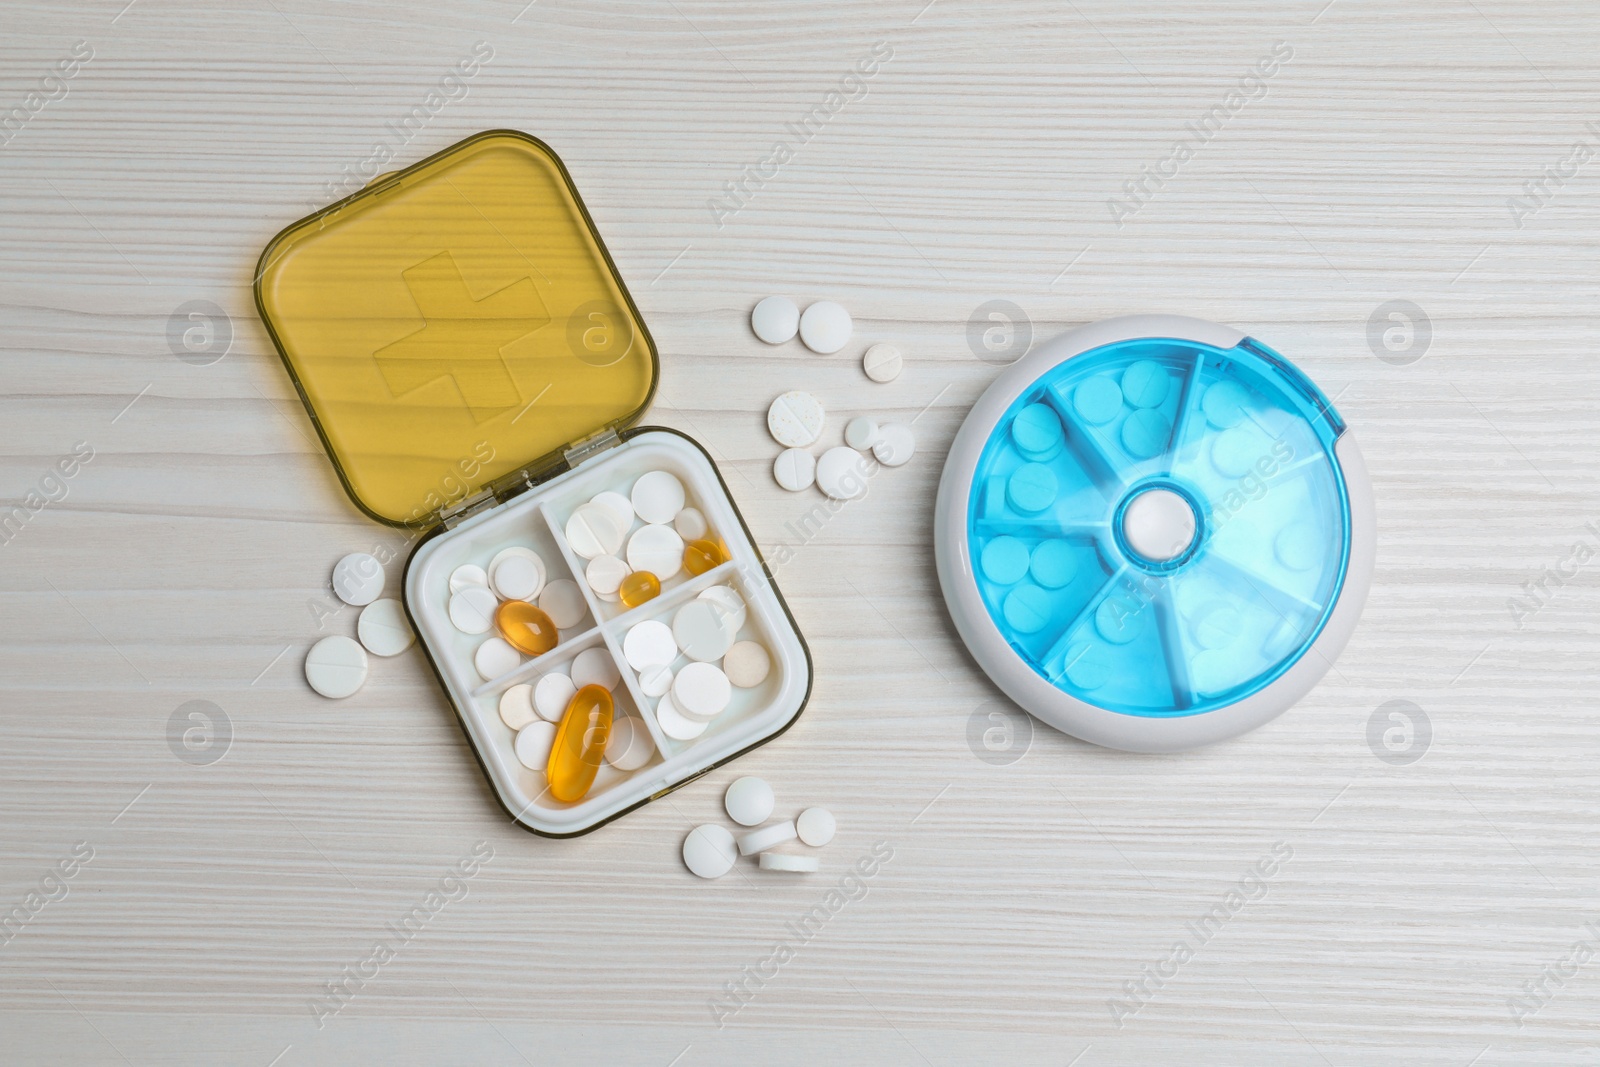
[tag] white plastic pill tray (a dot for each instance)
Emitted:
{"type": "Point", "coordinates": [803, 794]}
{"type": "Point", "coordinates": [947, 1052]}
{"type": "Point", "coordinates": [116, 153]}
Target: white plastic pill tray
{"type": "Point", "coordinates": [537, 519]}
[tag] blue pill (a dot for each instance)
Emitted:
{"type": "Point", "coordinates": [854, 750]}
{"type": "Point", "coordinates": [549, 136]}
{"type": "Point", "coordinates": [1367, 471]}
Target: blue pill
{"type": "Point", "coordinates": [1027, 609]}
{"type": "Point", "coordinates": [1053, 563]}
{"type": "Point", "coordinates": [1223, 404]}
{"type": "Point", "coordinates": [1145, 383]}
{"type": "Point", "coordinates": [1145, 433]}
{"type": "Point", "coordinates": [1005, 560]}
{"type": "Point", "coordinates": [1086, 667]}
{"type": "Point", "coordinates": [1032, 488]}
{"type": "Point", "coordinates": [1097, 401]}
{"type": "Point", "coordinates": [1119, 621]}
{"type": "Point", "coordinates": [1037, 428]}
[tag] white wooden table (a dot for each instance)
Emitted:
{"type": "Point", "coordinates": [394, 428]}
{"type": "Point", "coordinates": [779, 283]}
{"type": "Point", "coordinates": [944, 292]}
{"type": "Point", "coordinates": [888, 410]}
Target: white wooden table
{"type": "Point", "coordinates": [187, 559]}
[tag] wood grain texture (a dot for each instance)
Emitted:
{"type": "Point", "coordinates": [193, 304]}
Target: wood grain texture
{"type": "Point", "coordinates": [183, 562]}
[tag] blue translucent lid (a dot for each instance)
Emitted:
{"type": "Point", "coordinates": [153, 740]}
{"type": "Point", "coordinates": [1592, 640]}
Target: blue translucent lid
{"type": "Point", "coordinates": [1160, 527]}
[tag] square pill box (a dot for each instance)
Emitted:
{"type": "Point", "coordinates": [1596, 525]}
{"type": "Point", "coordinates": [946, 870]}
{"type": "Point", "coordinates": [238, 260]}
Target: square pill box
{"type": "Point", "coordinates": [476, 369]}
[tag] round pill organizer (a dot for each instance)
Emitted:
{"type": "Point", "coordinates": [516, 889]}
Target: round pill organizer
{"type": "Point", "coordinates": [475, 367]}
{"type": "Point", "coordinates": [1154, 533]}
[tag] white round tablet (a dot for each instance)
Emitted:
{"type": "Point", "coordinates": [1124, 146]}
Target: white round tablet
{"type": "Point", "coordinates": [336, 666]}
{"type": "Point", "coordinates": [701, 691]}
{"type": "Point", "coordinates": [730, 601]}
{"type": "Point", "coordinates": [746, 665]}
{"type": "Point", "coordinates": [533, 744]}
{"type": "Point", "coordinates": [795, 469]}
{"type": "Point", "coordinates": [795, 419]}
{"type": "Point", "coordinates": [765, 838]}
{"type": "Point", "coordinates": [604, 575]}
{"type": "Point", "coordinates": [749, 801]}
{"type": "Point", "coordinates": [895, 445]}
{"type": "Point", "coordinates": [861, 432]}
{"type": "Point", "coordinates": [467, 574]}
{"type": "Point", "coordinates": [516, 706]}
{"type": "Point", "coordinates": [358, 579]}
{"type": "Point", "coordinates": [629, 747]}
{"type": "Point", "coordinates": [815, 826]}
{"type": "Point", "coordinates": [825, 327]}
{"type": "Point", "coordinates": [655, 679]}
{"type": "Point", "coordinates": [782, 861]}
{"type": "Point", "coordinates": [690, 524]}
{"type": "Point", "coordinates": [656, 548]}
{"type": "Point", "coordinates": [619, 506]}
{"type": "Point", "coordinates": [882, 363]}
{"type": "Point", "coordinates": [495, 657]}
{"type": "Point", "coordinates": [841, 473]}
{"type": "Point", "coordinates": [658, 496]}
{"type": "Point", "coordinates": [775, 320]}
{"type": "Point", "coordinates": [518, 577]}
{"type": "Point", "coordinates": [593, 530]}
{"type": "Point", "coordinates": [562, 600]}
{"type": "Point", "coordinates": [594, 666]}
{"type": "Point", "coordinates": [551, 695]}
{"type": "Point", "coordinates": [515, 552]}
{"type": "Point", "coordinates": [702, 629]}
{"type": "Point", "coordinates": [472, 609]}
{"type": "Point", "coordinates": [648, 643]}
{"type": "Point", "coordinates": [709, 851]}
{"type": "Point", "coordinates": [674, 723]}
{"type": "Point", "coordinates": [383, 629]}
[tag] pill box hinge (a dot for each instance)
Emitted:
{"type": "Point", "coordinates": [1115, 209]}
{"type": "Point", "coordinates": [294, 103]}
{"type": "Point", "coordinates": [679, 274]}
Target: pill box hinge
{"type": "Point", "coordinates": [590, 447]}
{"type": "Point", "coordinates": [458, 513]}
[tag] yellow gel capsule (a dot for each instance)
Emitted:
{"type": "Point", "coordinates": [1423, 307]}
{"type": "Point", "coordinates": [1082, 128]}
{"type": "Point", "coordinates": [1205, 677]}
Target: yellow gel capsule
{"type": "Point", "coordinates": [702, 556]}
{"type": "Point", "coordinates": [639, 587]}
{"type": "Point", "coordinates": [525, 627]}
{"type": "Point", "coordinates": [580, 743]}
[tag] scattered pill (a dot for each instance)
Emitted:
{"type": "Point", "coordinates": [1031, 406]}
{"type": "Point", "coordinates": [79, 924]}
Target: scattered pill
{"type": "Point", "coordinates": [1145, 433]}
{"type": "Point", "coordinates": [593, 530]}
{"type": "Point", "coordinates": [1026, 608]}
{"type": "Point", "coordinates": [731, 603]}
{"type": "Point", "coordinates": [775, 320]}
{"type": "Point", "coordinates": [383, 629]}
{"type": "Point", "coordinates": [336, 667]}
{"type": "Point", "coordinates": [825, 327]}
{"type": "Point", "coordinates": [621, 507]}
{"type": "Point", "coordinates": [604, 575]}
{"type": "Point", "coordinates": [630, 746]}
{"type": "Point", "coordinates": [895, 446]}
{"type": "Point", "coordinates": [1004, 560]}
{"type": "Point", "coordinates": [516, 706]}
{"type": "Point", "coordinates": [467, 574]}
{"type": "Point", "coordinates": [580, 744]}
{"type": "Point", "coordinates": [656, 548]}
{"type": "Point", "coordinates": [783, 861]}
{"type": "Point", "coordinates": [358, 579]}
{"type": "Point", "coordinates": [551, 695]}
{"type": "Point", "coordinates": [861, 432]}
{"type": "Point", "coordinates": [649, 642]}
{"type": "Point", "coordinates": [690, 524]}
{"type": "Point", "coordinates": [795, 469]}
{"type": "Point", "coordinates": [637, 588]}
{"type": "Point", "coordinates": [495, 657]}
{"type": "Point", "coordinates": [526, 628]}
{"type": "Point", "coordinates": [655, 679]}
{"type": "Point", "coordinates": [709, 851]}
{"type": "Point", "coordinates": [562, 600]}
{"type": "Point", "coordinates": [882, 363]}
{"type": "Point", "coordinates": [701, 628]}
{"type": "Point", "coordinates": [767, 837]}
{"type": "Point", "coordinates": [1146, 383]}
{"type": "Point", "coordinates": [703, 555]}
{"type": "Point", "coordinates": [674, 723]}
{"type": "Point", "coordinates": [594, 666]}
{"type": "Point", "coordinates": [701, 691]}
{"type": "Point", "coordinates": [472, 609]}
{"type": "Point", "coordinates": [533, 744]}
{"type": "Point", "coordinates": [658, 496]}
{"type": "Point", "coordinates": [816, 826]}
{"type": "Point", "coordinates": [1097, 400]}
{"type": "Point", "coordinates": [746, 665]}
{"type": "Point", "coordinates": [841, 473]}
{"type": "Point", "coordinates": [795, 419]}
{"type": "Point", "coordinates": [749, 801]}
{"type": "Point", "coordinates": [518, 577]}
{"type": "Point", "coordinates": [1031, 488]}
{"type": "Point", "coordinates": [1053, 563]}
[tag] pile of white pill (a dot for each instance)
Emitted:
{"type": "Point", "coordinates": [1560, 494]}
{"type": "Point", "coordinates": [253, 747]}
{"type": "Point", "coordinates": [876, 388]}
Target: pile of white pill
{"type": "Point", "coordinates": [825, 328]}
{"type": "Point", "coordinates": [796, 420]}
{"type": "Point", "coordinates": [710, 851]}
{"type": "Point", "coordinates": [691, 665]}
{"type": "Point", "coordinates": [532, 710]}
{"type": "Point", "coordinates": [336, 666]}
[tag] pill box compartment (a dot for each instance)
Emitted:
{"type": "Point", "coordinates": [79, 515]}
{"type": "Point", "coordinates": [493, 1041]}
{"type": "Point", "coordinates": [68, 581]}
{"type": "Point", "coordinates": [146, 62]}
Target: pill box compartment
{"type": "Point", "coordinates": [536, 518]}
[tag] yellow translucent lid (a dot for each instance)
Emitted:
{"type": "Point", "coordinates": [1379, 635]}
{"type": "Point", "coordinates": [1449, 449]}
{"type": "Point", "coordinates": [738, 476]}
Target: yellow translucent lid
{"type": "Point", "coordinates": [454, 325]}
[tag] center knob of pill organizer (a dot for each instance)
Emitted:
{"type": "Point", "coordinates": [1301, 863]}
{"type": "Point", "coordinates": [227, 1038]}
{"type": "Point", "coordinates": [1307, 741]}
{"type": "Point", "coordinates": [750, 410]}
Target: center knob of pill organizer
{"type": "Point", "coordinates": [1158, 525]}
